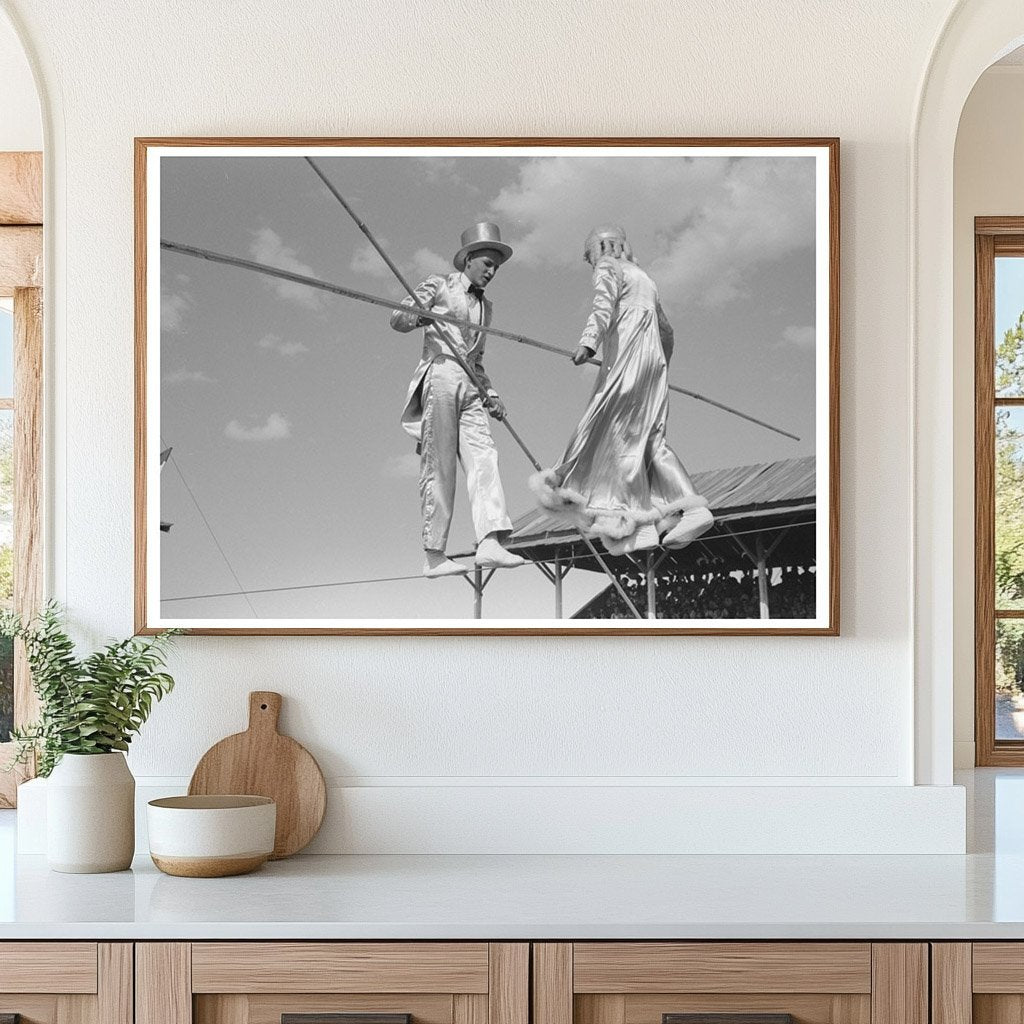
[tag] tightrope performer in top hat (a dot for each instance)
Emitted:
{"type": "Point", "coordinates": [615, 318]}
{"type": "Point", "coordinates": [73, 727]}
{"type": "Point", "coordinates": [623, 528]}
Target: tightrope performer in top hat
{"type": "Point", "coordinates": [447, 415]}
{"type": "Point", "coordinates": [618, 479]}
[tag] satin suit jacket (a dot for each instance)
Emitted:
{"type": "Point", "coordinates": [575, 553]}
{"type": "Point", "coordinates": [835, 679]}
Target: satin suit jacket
{"type": "Point", "coordinates": [442, 295]}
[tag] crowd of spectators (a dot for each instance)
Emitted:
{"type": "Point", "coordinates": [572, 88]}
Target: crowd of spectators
{"type": "Point", "coordinates": [712, 594]}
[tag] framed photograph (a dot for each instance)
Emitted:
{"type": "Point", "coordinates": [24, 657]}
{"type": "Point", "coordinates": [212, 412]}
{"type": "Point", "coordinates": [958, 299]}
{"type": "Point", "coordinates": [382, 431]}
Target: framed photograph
{"type": "Point", "coordinates": [487, 386]}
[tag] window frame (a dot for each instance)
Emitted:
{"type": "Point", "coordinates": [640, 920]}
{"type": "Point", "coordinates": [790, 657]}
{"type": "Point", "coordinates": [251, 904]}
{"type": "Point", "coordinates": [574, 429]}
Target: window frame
{"type": "Point", "coordinates": [993, 237]}
{"type": "Point", "coordinates": [21, 269]}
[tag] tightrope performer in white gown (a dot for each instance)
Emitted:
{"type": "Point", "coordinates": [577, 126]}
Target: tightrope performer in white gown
{"type": "Point", "coordinates": [619, 480]}
{"type": "Point", "coordinates": [447, 415]}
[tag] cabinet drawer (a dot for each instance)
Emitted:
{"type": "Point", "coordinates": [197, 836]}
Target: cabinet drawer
{"type": "Point", "coordinates": [340, 967]}
{"type": "Point", "coordinates": [998, 967]}
{"type": "Point", "coordinates": [634, 967]}
{"type": "Point", "coordinates": [980, 982]}
{"type": "Point", "coordinates": [66, 967]}
{"type": "Point", "coordinates": [66, 982]}
{"type": "Point", "coordinates": [733, 982]}
{"type": "Point", "coordinates": [332, 983]}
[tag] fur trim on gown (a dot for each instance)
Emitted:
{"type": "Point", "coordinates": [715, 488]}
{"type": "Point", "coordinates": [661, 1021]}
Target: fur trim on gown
{"type": "Point", "coordinates": [620, 530]}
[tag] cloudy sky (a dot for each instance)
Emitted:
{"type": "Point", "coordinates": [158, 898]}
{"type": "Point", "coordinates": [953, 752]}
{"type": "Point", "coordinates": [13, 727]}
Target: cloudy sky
{"type": "Point", "coordinates": [290, 467]}
{"type": "Point", "coordinates": [1009, 297]}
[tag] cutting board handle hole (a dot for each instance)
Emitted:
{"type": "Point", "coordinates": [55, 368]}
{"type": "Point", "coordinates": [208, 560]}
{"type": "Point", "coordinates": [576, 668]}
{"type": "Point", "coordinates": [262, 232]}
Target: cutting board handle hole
{"type": "Point", "coordinates": [263, 707]}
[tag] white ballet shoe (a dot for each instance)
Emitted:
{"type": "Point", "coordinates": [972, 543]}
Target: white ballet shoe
{"type": "Point", "coordinates": [694, 523]}
{"type": "Point", "coordinates": [491, 555]}
{"type": "Point", "coordinates": [445, 568]}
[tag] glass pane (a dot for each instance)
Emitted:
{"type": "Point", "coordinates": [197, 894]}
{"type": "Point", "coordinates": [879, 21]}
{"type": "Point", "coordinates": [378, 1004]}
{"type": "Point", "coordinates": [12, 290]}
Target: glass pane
{"type": "Point", "coordinates": [6, 567]}
{"type": "Point", "coordinates": [1009, 480]}
{"type": "Point", "coordinates": [6, 353]}
{"type": "Point", "coordinates": [1009, 679]}
{"type": "Point", "coordinates": [1009, 324]}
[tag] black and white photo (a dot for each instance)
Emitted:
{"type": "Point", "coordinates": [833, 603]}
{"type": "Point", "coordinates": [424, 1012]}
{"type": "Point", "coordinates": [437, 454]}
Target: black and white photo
{"type": "Point", "coordinates": [462, 386]}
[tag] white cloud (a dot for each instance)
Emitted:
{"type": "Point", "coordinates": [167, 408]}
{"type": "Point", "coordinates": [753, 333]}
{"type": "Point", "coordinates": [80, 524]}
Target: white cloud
{"type": "Point", "coordinates": [444, 170]}
{"type": "Point", "coordinates": [366, 260]}
{"type": "Point", "coordinates": [173, 307]}
{"type": "Point", "coordinates": [267, 247]}
{"type": "Point", "coordinates": [275, 429]}
{"type": "Point", "coordinates": [403, 466]}
{"type": "Point", "coordinates": [274, 343]}
{"type": "Point", "coordinates": [702, 226]}
{"type": "Point", "coordinates": [424, 262]}
{"type": "Point", "coordinates": [800, 337]}
{"type": "Point", "coordinates": [183, 376]}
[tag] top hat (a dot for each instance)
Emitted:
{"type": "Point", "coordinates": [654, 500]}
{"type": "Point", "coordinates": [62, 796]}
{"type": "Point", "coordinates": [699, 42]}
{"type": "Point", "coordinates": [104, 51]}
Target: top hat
{"type": "Point", "coordinates": [481, 236]}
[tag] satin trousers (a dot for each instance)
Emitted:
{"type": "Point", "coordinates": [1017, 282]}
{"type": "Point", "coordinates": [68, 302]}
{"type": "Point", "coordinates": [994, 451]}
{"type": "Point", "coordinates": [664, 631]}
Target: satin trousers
{"type": "Point", "coordinates": [456, 430]}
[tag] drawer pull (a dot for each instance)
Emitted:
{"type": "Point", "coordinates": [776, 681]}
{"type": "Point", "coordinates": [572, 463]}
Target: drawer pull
{"type": "Point", "coordinates": [339, 1018]}
{"type": "Point", "coordinates": [727, 1018]}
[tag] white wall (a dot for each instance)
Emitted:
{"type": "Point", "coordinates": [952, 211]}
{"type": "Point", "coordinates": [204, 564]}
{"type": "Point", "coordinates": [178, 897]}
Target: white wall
{"type": "Point", "coordinates": [987, 181]}
{"type": "Point", "coordinates": [21, 127]}
{"type": "Point", "coordinates": [424, 717]}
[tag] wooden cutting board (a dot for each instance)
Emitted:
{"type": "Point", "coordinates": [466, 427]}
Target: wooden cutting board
{"type": "Point", "coordinates": [262, 762]}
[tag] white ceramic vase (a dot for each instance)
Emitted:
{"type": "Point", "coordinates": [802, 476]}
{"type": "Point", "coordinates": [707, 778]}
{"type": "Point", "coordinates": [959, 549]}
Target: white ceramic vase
{"type": "Point", "coordinates": [90, 814]}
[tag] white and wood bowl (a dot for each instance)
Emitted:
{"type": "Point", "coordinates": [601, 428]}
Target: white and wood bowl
{"type": "Point", "coordinates": [211, 836]}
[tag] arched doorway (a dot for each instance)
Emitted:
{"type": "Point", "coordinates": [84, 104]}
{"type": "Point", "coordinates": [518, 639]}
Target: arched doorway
{"type": "Point", "coordinates": [976, 34]}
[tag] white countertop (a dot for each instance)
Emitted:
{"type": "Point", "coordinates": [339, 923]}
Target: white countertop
{"type": "Point", "coordinates": [977, 896]}
{"type": "Point", "coordinates": [516, 897]}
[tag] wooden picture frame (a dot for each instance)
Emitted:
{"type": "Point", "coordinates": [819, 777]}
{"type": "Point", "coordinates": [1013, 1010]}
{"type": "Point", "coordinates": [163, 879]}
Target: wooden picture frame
{"type": "Point", "coordinates": [650, 588]}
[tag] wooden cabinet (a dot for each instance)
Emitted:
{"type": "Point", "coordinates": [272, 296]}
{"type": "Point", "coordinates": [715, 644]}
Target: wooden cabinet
{"type": "Point", "coordinates": [494, 983]}
{"type": "Point", "coordinates": [978, 983]}
{"type": "Point", "coordinates": [653, 982]}
{"type": "Point", "coordinates": [261, 982]}
{"type": "Point", "coordinates": [66, 982]}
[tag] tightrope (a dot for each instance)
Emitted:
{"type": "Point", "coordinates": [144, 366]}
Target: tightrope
{"type": "Point", "coordinates": [374, 300]}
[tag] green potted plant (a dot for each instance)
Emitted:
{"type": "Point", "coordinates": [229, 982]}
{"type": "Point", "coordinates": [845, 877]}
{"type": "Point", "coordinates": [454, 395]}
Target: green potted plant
{"type": "Point", "coordinates": [90, 708]}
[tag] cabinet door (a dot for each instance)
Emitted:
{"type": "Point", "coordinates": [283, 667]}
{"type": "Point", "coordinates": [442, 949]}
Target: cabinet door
{"type": "Point", "coordinates": [730, 983]}
{"type": "Point", "coordinates": [332, 983]}
{"type": "Point", "coordinates": [66, 982]}
{"type": "Point", "coordinates": [980, 982]}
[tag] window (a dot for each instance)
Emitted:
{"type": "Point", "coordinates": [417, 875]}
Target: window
{"type": "Point", "coordinates": [20, 503]}
{"type": "Point", "coordinates": [20, 431]}
{"type": "Point", "coordinates": [999, 490]}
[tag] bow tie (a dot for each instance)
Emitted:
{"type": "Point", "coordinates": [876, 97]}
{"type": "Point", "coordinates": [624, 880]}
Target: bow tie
{"type": "Point", "coordinates": [475, 289]}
